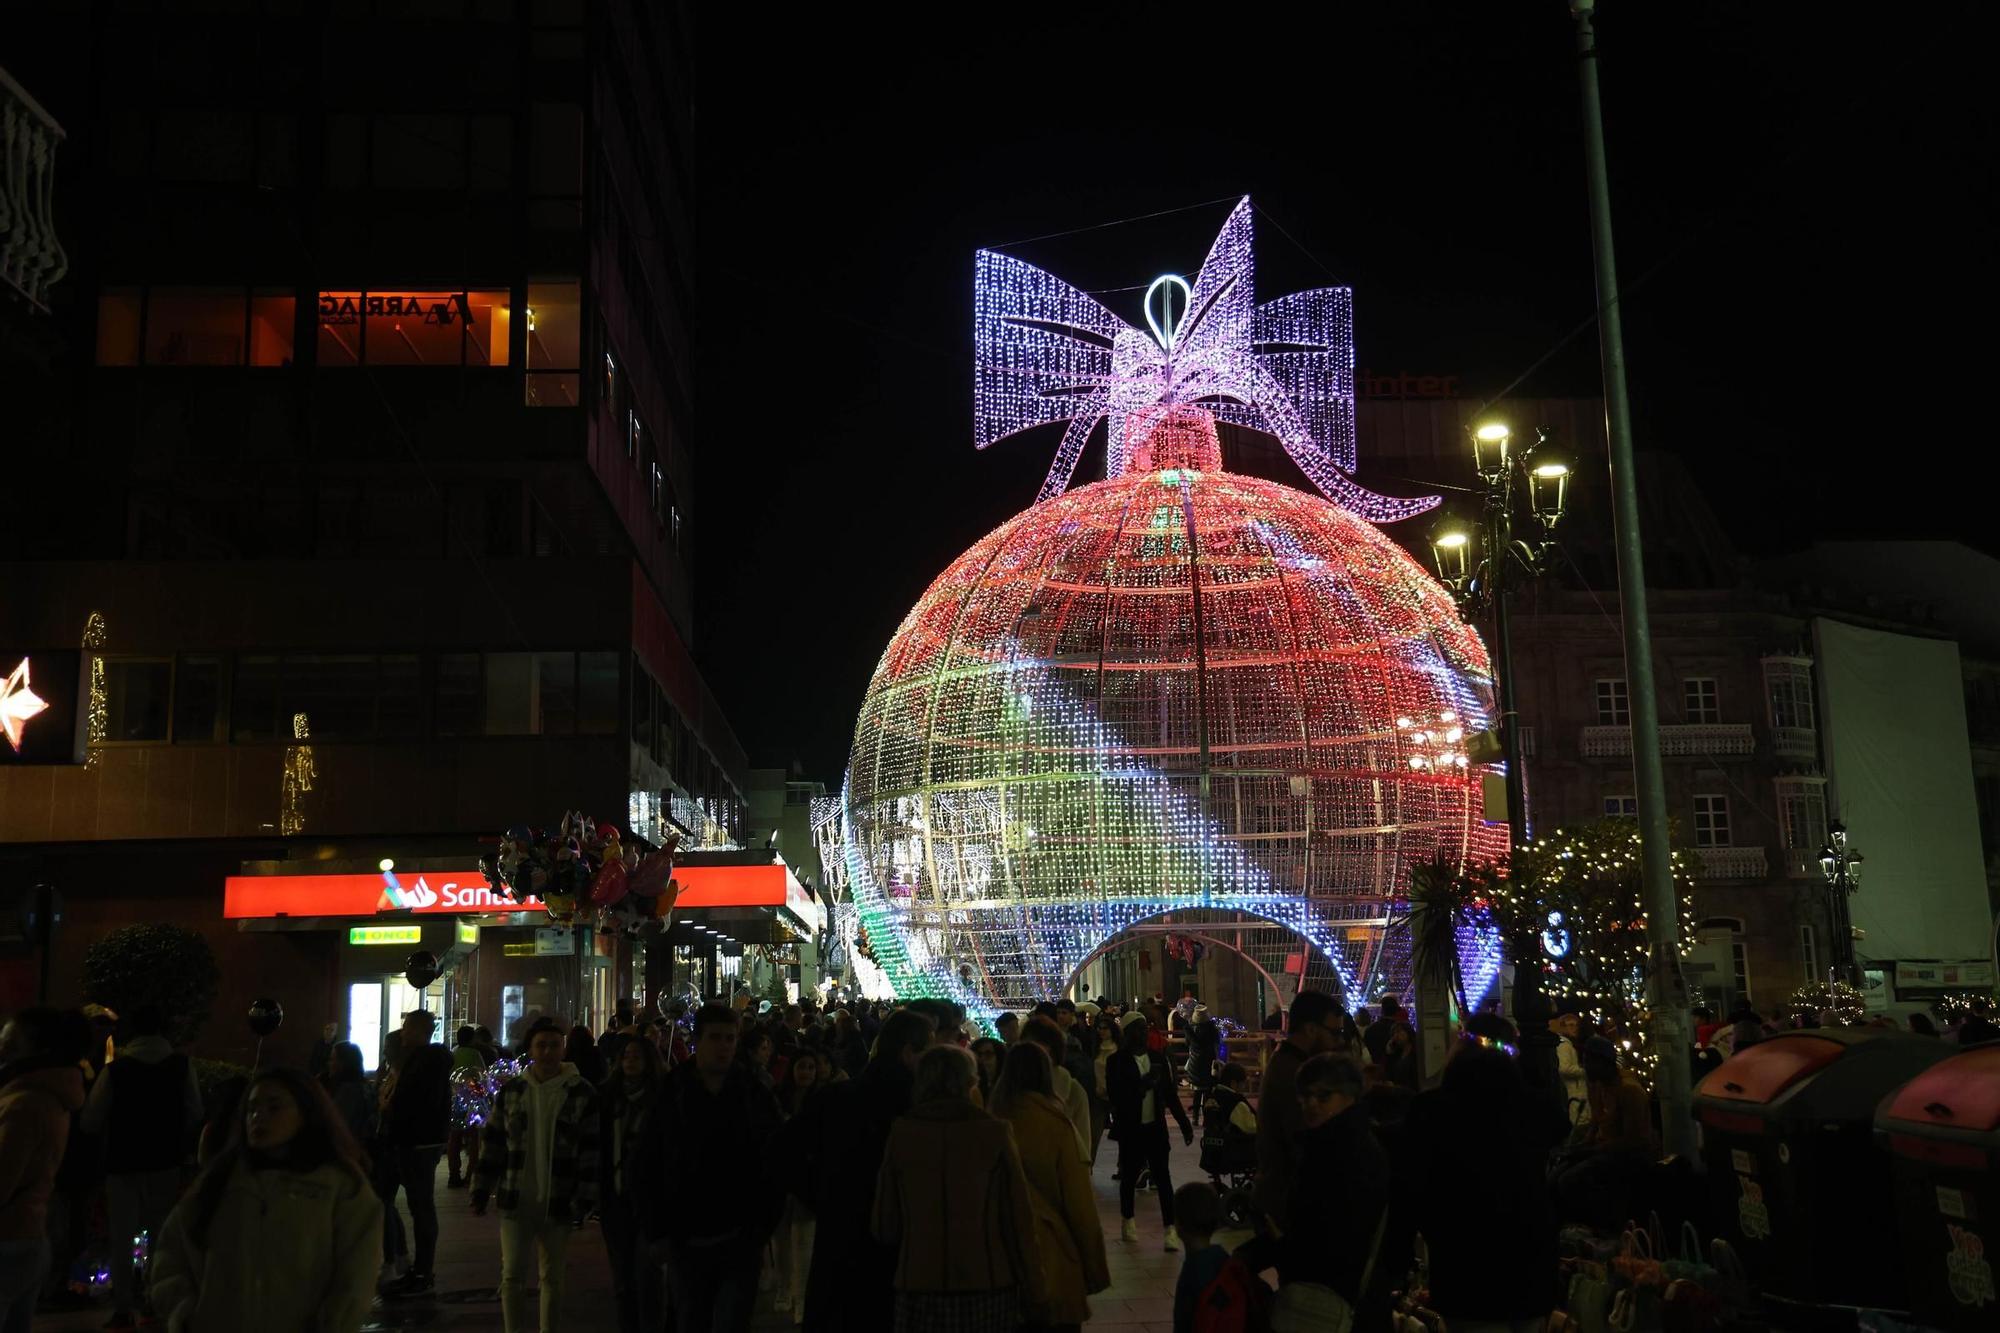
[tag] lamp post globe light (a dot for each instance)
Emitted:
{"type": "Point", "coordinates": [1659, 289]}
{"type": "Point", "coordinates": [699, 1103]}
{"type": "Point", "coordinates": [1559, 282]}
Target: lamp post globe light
{"type": "Point", "coordinates": [1480, 564]}
{"type": "Point", "coordinates": [1840, 867]}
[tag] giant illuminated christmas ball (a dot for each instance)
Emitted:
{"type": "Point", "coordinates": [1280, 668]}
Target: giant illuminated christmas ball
{"type": "Point", "coordinates": [1177, 688]}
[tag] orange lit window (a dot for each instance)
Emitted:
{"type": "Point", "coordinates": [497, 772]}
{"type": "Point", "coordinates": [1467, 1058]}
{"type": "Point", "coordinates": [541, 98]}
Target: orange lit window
{"type": "Point", "coordinates": [414, 328]}
{"type": "Point", "coordinates": [271, 316]}
{"type": "Point", "coordinates": [194, 326]}
{"type": "Point", "coordinates": [555, 313]}
{"type": "Point", "coordinates": [118, 327]}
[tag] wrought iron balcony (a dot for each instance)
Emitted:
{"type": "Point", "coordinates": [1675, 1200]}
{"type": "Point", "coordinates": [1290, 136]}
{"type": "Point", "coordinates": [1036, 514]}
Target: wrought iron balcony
{"type": "Point", "coordinates": [1800, 744]}
{"type": "Point", "coordinates": [1731, 862]}
{"type": "Point", "coordinates": [1802, 863]}
{"type": "Point", "coordinates": [1687, 740]}
{"type": "Point", "coordinates": [31, 261]}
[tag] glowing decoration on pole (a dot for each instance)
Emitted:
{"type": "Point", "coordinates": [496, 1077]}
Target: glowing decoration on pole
{"type": "Point", "coordinates": [1046, 352]}
{"type": "Point", "coordinates": [19, 705]}
{"type": "Point", "coordinates": [98, 721]}
{"type": "Point", "coordinates": [297, 778]}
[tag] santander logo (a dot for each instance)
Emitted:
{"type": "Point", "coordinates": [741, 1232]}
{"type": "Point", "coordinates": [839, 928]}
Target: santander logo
{"type": "Point", "coordinates": [397, 897]}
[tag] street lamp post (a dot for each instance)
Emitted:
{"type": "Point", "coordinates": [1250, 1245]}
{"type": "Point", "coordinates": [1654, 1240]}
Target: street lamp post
{"type": "Point", "coordinates": [1482, 580]}
{"type": "Point", "coordinates": [1840, 867]}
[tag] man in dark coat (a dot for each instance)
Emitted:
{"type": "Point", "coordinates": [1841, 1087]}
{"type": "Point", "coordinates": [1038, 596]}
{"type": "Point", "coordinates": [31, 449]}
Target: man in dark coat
{"type": "Point", "coordinates": [714, 1135]}
{"type": "Point", "coordinates": [1338, 1212]}
{"type": "Point", "coordinates": [1317, 1025]}
{"type": "Point", "coordinates": [843, 1134]}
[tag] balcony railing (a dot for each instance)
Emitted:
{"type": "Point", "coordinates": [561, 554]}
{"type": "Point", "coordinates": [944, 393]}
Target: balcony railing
{"type": "Point", "coordinates": [30, 259]}
{"type": "Point", "coordinates": [1690, 740]}
{"type": "Point", "coordinates": [1797, 743]}
{"type": "Point", "coordinates": [1731, 862]}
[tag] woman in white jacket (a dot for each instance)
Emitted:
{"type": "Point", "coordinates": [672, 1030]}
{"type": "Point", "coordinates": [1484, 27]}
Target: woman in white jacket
{"type": "Point", "coordinates": [281, 1229]}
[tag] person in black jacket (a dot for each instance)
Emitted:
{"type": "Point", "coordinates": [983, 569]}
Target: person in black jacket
{"type": "Point", "coordinates": [1339, 1207]}
{"type": "Point", "coordinates": [1143, 1094]}
{"type": "Point", "coordinates": [632, 1182]}
{"type": "Point", "coordinates": [1472, 1171]}
{"type": "Point", "coordinates": [416, 1120]}
{"type": "Point", "coordinates": [714, 1135]}
{"type": "Point", "coordinates": [843, 1134]}
{"type": "Point", "coordinates": [144, 1108]}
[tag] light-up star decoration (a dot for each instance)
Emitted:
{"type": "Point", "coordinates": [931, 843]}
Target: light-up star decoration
{"type": "Point", "coordinates": [19, 705]}
{"type": "Point", "coordinates": [1046, 352]}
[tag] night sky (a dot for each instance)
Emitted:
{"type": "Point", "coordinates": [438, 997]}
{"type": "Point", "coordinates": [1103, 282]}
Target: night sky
{"type": "Point", "coordinates": [1804, 227]}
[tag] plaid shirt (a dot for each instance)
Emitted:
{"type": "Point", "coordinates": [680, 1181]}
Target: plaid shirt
{"type": "Point", "coordinates": [510, 1132]}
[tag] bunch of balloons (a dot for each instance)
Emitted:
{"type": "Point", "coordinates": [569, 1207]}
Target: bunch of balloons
{"type": "Point", "coordinates": [586, 868]}
{"type": "Point", "coordinates": [1186, 950]}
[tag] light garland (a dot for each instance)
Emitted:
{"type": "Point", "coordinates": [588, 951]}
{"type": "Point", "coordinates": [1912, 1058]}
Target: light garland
{"type": "Point", "coordinates": [1590, 878]}
{"type": "Point", "coordinates": [1045, 352]}
{"type": "Point", "coordinates": [97, 722]}
{"type": "Point", "coordinates": [1835, 1003]}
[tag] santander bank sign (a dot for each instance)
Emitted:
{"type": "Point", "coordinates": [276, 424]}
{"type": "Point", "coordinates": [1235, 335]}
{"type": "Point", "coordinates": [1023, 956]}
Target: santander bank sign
{"type": "Point", "coordinates": [429, 892]}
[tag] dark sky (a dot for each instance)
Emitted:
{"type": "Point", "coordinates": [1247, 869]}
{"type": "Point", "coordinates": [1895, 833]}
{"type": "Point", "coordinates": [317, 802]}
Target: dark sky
{"type": "Point", "coordinates": [1805, 230]}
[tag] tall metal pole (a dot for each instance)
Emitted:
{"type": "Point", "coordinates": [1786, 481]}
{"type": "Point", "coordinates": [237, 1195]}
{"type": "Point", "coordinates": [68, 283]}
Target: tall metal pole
{"type": "Point", "coordinates": [1666, 989]}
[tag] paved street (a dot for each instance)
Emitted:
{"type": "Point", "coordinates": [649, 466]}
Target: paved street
{"type": "Point", "coordinates": [1140, 1299]}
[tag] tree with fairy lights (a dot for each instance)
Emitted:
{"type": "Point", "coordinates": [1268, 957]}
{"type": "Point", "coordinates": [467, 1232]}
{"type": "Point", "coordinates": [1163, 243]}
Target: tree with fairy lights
{"type": "Point", "coordinates": [1576, 894]}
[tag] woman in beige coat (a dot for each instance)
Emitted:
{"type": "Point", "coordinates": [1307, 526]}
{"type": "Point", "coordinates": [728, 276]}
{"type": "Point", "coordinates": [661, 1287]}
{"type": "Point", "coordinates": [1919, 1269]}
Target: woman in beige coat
{"type": "Point", "coordinates": [1067, 1231]}
{"type": "Point", "coordinates": [953, 1202]}
{"type": "Point", "coordinates": [281, 1230]}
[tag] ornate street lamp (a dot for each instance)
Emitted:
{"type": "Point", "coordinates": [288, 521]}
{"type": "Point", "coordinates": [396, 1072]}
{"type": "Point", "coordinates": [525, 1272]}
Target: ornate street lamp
{"type": "Point", "coordinates": [1479, 566]}
{"type": "Point", "coordinates": [1840, 867]}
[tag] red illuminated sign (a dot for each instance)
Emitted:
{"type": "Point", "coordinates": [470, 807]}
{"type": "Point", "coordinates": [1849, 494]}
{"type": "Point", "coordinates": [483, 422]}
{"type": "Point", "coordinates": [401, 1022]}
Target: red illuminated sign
{"type": "Point", "coordinates": [433, 892]}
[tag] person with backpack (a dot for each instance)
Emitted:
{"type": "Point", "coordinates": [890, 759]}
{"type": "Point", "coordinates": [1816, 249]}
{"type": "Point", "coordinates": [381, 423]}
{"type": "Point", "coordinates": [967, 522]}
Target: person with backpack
{"type": "Point", "coordinates": [1216, 1292]}
{"type": "Point", "coordinates": [145, 1109]}
{"type": "Point", "coordinates": [1229, 1133]}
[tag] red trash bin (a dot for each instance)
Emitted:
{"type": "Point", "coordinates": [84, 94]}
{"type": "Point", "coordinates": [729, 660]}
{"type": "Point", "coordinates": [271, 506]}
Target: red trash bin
{"type": "Point", "coordinates": [1942, 1132]}
{"type": "Point", "coordinates": [1797, 1184]}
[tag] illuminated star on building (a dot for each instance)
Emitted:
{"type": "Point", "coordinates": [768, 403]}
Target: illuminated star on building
{"type": "Point", "coordinates": [19, 705]}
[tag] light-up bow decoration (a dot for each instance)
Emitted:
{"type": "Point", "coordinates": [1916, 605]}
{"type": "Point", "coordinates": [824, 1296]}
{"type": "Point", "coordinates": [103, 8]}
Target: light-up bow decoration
{"type": "Point", "coordinates": [1046, 352]}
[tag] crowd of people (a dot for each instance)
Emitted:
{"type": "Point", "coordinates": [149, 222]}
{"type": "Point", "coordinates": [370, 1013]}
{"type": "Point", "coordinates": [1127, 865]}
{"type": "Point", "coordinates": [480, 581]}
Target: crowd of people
{"type": "Point", "coordinates": [874, 1166]}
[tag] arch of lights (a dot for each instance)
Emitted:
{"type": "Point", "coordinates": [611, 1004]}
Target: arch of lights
{"type": "Point", "coordinates": [1174, 689]}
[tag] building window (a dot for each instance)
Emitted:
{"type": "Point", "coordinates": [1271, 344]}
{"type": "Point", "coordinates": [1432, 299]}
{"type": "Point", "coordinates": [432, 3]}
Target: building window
{"type": "Point", "coordinates": [1621, 807]}
{"type": "Point", "coordinates": [1700, 701]}
{"type": "Point", "coordinates": [1711, 821]}
{"type": "Point", "coordinates": [415, 328]}
{"type": "Point", "coordinates": [555, 166]}
{"type": "Point", "coordinates": [1614, 706]}
{"type": "Point", "coordinates": [635, 436]}
{"type": "Point", "coordinates": [656, 491]}
{"type": "Point", "coordinates": [137, 693]}
{"type": "Point", "coordinates": [198, 701]}
{"type": "Point", "coordinates": [613, 399]}
{"type": "Point", "coordinates": [345, 696]}
{"type": "Point", "coordinates": [118, 326]}
{"type": "Point", "coordinates": [1809, 954]}
{"type": "Point", "coordinates": [194, 326]}
{"type": "Point", "coordinates": [555, 340]}
{"type": "Point", "coordinates": [1790, 686]}
{"type": "Point", "coordinates": [1802, 814]}
{"type": "Point", "coordinates": [1739, 957]}
{"type": "Point", "coordinates": [271, 315]}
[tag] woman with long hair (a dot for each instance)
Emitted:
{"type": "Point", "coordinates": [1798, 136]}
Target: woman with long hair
{"type": "Point", "coordinates": [953, 1202]}
{"type": "Point", "coordinates": [347, 1083]}
{"type": "Point", "coordinates": [1106, 1031]}
{"type": "Point", "coordinates": [1068, 1236]}
{"type": "Point", "coordinates": [1143, 1095]}
{"type": "Point", "coordinates": [987, 1053]}
{"type": "Point", "coordinates": [581, 1050]}
{"type": "Point", "coordinates": [631, 1176]}
{"type": "Point", "coordinates": [806, 1078]}
{"type": "Point", "coordinates": [281, 1229]}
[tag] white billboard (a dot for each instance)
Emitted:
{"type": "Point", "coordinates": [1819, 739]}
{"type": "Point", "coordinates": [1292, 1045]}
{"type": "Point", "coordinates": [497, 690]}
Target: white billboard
{"type": "Point", "coordinates": [1899, 768]}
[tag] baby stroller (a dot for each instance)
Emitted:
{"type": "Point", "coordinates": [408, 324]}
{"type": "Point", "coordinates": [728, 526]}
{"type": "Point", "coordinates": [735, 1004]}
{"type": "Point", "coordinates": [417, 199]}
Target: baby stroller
{"type": "Point", "coordinates": [1228, 1151]}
